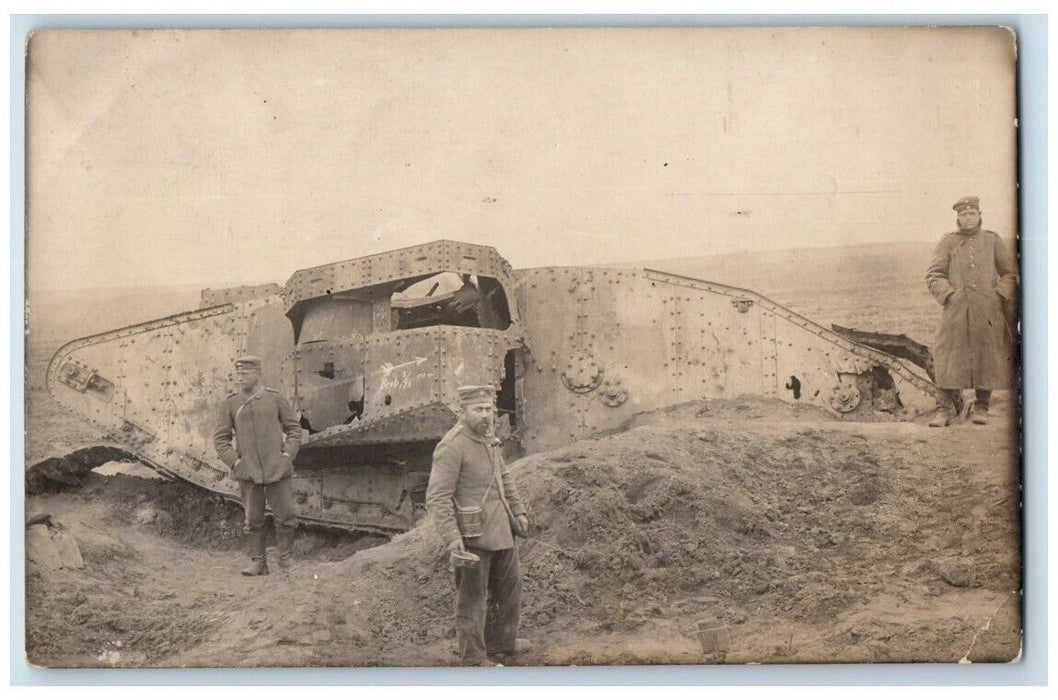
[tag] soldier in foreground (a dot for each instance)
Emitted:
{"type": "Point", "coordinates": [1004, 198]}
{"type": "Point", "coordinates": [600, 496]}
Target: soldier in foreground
{"type": "Point", "coordinates": [267, 436]}
{"type": "Point", "coordinates": [475, 507]}
{"type": "Point", "coordinates": [972, 277]}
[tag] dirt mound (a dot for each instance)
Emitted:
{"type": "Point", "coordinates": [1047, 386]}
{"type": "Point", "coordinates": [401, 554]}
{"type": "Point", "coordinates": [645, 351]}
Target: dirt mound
{"type": "Point", "coordinates": [802, 538]}
{"type": "Point", "coordinates": [808, 538]}
{"type": "Point", "coordinates": [172, 509]}
{"type": "Point", "coordinates": [743, 408]}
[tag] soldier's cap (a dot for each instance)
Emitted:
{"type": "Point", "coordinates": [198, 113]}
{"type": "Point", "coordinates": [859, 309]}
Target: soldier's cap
{"type": "Point", "coordinates": [476, 394]}
{"type": "Point", "coordinates": [969, 202]}
{"type": "Point", "coordinates": [248, 362]}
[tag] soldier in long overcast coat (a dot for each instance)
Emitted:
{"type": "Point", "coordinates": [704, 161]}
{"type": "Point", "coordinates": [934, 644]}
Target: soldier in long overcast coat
{"type": "Point", "coordinates": [469, 474]}
{"type": "Point", "coordinates": [267, 436]}
{"type": "Point", "coordinates": [971, 276]}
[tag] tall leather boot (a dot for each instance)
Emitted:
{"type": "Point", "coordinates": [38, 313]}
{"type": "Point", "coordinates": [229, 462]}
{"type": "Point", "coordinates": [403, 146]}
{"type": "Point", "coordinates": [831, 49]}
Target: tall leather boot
{"type": "Point", "coordinates": [980, 409]}
{"type": "Point", "coordinates": [284, 546]}
{"type": "Point", "coordinates": [259, 563]}
{"type": "Point", "coordinates": [949, 405]}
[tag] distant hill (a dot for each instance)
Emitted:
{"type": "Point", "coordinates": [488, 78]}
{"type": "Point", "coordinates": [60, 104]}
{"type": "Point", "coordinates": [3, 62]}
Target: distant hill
{"type": "Point", "coordinates": [61, 315]}
{"type": "Point", "coordinates": [803, 270]}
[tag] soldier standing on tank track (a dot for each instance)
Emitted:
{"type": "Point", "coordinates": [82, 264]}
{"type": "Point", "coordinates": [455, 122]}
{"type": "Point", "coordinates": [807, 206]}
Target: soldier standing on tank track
{"type": "Point", "coordinates": [267, 436]}
{"type": "Point", "coordinates": [972, 277]}
{"type": "Point", "coordinates": [475, 507]}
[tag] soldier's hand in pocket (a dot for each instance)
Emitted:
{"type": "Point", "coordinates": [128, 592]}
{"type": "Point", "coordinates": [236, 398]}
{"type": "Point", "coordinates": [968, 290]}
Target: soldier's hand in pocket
{"type": "Point", "coordinates": [456, 546]}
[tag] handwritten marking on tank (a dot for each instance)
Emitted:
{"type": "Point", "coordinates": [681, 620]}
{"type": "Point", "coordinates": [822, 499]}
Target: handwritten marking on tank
{"type": "Point", "coordinates": [401, 380]}
{"type": "Point", "coordinates": [387, 368]}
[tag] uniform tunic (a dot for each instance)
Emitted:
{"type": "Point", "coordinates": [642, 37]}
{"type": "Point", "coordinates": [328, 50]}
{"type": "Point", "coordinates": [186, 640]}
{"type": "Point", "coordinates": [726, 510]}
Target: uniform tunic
{"type": "Point", "coordinates": [267, 436]}
{"type": "Point", "coordinates": [970, 275]}
{"type": "Point", "coordinates": [469, 472]}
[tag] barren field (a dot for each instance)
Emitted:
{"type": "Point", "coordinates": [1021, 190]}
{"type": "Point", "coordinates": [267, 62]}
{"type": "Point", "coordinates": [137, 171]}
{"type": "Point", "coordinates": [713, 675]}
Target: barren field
{"type": "Point", "coordinates": [807, 538]}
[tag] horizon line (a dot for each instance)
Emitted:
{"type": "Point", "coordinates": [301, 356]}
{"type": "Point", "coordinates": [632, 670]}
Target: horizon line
{"type": "Point", "coordinates": [218, 285]}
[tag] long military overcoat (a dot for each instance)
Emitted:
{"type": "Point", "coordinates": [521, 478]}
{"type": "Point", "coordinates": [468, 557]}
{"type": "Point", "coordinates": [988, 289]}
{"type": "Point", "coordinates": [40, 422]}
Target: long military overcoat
{"type": "Point", "coordinates": [472, 473]}
{"type": "Point", "coordinates": [267, 436]}
{"type": "Point", "coordinates": [970, 275]}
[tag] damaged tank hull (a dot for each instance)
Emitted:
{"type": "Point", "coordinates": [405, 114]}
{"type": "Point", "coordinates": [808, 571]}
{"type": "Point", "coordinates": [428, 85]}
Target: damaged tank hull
{"type": "Point", "coordinates": [635, 340]}
{"type": "Point", "coordinates": [371, 351]}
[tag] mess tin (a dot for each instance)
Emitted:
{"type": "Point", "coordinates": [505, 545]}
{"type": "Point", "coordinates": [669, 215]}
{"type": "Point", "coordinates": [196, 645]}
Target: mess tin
{"type": "Point", "coordinates": [464, 559]}
{"type": "Point", "coordinates": [471, 520]}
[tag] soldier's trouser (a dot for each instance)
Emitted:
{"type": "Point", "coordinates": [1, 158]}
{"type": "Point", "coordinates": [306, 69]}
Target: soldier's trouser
{"type": "Point", "coordinates": [279, 495]}
{"type": "Point", "coordinates": [488, 604]}
{"type": "Point", "coordinates": [951, 399]}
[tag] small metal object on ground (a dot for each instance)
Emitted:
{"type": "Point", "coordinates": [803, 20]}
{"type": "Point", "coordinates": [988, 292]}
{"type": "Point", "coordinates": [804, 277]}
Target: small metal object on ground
{"type": "Point", "coordinates": [714, 637]}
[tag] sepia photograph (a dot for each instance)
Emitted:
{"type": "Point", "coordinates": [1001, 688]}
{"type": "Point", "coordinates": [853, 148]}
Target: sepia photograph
{"type": "Point", "coordinates": [522, 347]}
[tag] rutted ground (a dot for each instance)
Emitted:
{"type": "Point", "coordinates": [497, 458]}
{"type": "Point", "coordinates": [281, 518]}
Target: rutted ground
{"type": "Point", "coordinates": [811, 539]}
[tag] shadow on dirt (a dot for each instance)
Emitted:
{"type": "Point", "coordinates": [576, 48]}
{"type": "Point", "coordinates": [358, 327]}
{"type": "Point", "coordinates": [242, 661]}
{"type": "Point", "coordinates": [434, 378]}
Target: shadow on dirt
{"type": "Point", "coordinates": [57, 474]}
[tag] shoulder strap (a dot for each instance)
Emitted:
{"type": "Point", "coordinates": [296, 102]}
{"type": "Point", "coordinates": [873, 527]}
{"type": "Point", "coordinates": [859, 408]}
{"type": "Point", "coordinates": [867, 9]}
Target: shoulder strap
{"type": "Point", "coordinates": [250, 398]}
{"type": "Point", "coordinates": [497, 473]}
{"type": "Point", "coordinates": [495, 476]}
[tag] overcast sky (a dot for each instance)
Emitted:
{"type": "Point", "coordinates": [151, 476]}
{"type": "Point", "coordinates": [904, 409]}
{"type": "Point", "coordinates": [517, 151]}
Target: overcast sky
{"type": "Point", "coordinates": [226, 157]}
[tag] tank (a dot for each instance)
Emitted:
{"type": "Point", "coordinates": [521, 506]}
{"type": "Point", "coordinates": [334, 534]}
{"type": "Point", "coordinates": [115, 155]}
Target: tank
{"type": "Point", "coordinates": [370, 352]}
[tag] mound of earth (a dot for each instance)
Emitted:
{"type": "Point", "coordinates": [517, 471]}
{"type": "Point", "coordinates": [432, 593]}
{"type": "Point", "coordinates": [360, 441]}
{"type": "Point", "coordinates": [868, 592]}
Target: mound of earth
{"type": "Point", "coordinates": [809, 539]}
{"type": "Point", "coordinates": [812, 541]}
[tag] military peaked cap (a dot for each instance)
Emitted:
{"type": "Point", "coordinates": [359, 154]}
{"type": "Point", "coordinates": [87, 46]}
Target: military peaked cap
{"type": "Point", "coordinates": [476, 394]}
{"type": "Point", "coordinates": [248, 362]}
{"type": "Point", "coordinates": [970, 202]}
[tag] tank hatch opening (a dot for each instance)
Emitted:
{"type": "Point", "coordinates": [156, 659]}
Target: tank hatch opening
{"type": "Point", "coordinates": [884, 396]}
{"type": "Point", "coordinates": [506, 400]}
{"type": "Point", "coordinates": [508, 418]}
{"type": "Point", "coordinates": [451, 299]}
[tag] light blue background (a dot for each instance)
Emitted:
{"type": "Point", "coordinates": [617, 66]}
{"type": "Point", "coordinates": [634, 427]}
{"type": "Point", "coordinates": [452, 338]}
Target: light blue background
{"type": "Point", "coordinates": [1032, 100]}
